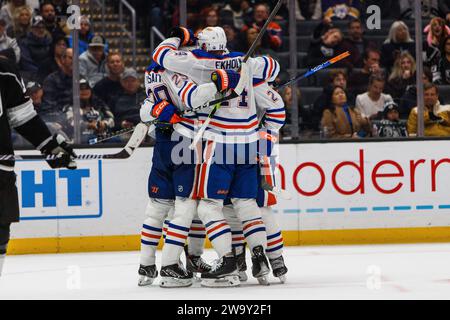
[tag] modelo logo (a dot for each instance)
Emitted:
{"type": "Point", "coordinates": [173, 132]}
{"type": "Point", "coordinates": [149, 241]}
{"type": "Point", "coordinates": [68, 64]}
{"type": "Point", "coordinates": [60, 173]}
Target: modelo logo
{"type": "Point", "coordinates": [60, 194]}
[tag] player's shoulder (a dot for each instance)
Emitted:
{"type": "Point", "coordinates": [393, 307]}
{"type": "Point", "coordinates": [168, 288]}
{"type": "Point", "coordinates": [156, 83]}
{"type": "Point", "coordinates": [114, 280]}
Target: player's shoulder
{"type": "Point", "coordinates": [6, 67]}
{"type": "Point", "coordinates": [154, 67]}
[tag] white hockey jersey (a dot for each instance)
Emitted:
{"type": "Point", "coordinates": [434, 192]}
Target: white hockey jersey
{"type": "Point", "coordinates": [162, 84]}
{"type": "Point", "coordinates": [236, 121]}
{"type": "Point", "coordinates": [270, 106]}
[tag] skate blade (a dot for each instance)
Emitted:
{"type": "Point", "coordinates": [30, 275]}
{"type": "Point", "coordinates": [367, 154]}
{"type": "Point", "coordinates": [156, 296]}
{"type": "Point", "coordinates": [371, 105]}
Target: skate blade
{"type": "Point", "coordinates": [197, 277]}
{"type": "Point", "coordinates": [243, 276]}
{"type": "Point", "coordinates": [262, 273]}
{"type": "Point", "coordinates": [225, 282]}
{"type": "Point", "coordinates": [282, 279]}
{"type": "Point", "coordinates": [174, 283]}
{"type": "Point", "coordinates": [145, 281]}
{"type": "Point", "coordinates": [264, 280]}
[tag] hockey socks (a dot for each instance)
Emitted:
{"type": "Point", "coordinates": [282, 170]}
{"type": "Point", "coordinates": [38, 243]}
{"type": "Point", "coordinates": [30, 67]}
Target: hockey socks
{"type": "Point", "coordinates": [219, 233]}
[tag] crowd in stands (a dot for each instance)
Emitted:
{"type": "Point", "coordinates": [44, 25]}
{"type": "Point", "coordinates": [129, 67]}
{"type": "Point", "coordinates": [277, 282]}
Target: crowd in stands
{"type": "Point", "coordinates": [34, 36]}
{"type": "Point", "coordinates": [371, 93]}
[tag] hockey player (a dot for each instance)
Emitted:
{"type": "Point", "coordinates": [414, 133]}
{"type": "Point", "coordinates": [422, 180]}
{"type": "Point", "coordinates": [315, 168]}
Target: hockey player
{"type": "Point", "coordinates": [171, 185]}
{"type": "Point", "coordinates": [17, 112]}
{"type": "Point", "coordinates": [271, 114]}
{"type": "Point", "coordinates": [173, 93]}
{"type": "Point", "coordinates": [234, 126]}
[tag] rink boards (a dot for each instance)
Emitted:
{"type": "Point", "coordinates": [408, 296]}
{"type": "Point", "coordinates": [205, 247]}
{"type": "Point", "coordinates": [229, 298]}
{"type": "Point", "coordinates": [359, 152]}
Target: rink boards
{"type": "Point", "coordinates": [343, 193]}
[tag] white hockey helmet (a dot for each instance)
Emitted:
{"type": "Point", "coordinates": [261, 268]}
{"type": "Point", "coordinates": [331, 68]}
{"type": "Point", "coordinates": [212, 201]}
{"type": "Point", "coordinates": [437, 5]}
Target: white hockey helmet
{"type": "Point", "coordinates": [212, 39]}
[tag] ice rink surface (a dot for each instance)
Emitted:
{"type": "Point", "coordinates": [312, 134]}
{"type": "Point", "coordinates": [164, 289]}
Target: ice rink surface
{"type": "Point", "coordinates": [419, 271]}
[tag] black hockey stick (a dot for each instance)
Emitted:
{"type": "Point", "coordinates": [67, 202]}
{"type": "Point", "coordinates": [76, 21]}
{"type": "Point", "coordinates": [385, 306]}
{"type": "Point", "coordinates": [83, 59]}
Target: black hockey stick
{"type": "Point", "coordinates": [102, 138]}
{"type": "Point", "coordinates": [140, 131]}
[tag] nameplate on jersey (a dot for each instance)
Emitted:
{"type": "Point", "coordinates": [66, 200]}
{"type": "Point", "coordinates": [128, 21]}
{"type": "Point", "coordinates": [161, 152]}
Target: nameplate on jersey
{"type": "Point", "coordinates": [233, 64]}
{"type": "Point", "coordinates": [153, 77]}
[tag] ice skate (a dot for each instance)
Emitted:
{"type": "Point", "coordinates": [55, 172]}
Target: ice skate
{"type": "Point", "coordinates": [260, 267]}
{"type": "Point", "coordinates": [242, 265]}
{"type": "Point", "coordinates": [175, 276]}
{"type": "Point", "coordinates": [195, 265]}
{"type": "Point", "coordinates": [224, 273]}
{"type": "Point", "coordinates": [147, 275]}
{"type": "Point", "coordinates": [279, 269]}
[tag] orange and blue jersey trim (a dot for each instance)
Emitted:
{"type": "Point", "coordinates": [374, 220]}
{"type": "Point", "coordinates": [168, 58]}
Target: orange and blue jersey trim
{"type": "Point", "coordinates": [161, 51]}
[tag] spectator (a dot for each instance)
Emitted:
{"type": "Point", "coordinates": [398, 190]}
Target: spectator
{"type": "Point", "coordinates": [356, 43]}
{"type": "Point", "coordinates": [85, 35]}
{"type": "Point", "coordinates": [8, 46]}
{"type": "Point", "coordinates": [436, 117]}
{"type": "Point", "coordinates": [340, 9]}
{"type": "Point", "coordinates": [93, 61]}
{"type": "Point", "coordinates": [126, 106]}
{"type": "Point", "coordinates": [47, 11]}
{"type": "Point", "coordinates": [59, 46]}
{"type": "Point", "coordinates": [308, 9]}
{"type": "Point", "coordinates": [391, 126]}
{"type": "Point", "coordinates": [107, 88]}
{"type": "Point", "coordinates": [21, 24]}
{"type": "Point", "coordinates": [398, 40]}
{"type": "Point", "coordinates": [233, 43]}
{"type": "Point", "coordinates": [403, 75]}
{"type": "Point", "coordinates": [371, 103]}
{"type": "Point", "coordinates": [444, 64]}
{"type": "Point", "coordinates": [272, 36]}
{"type": "Point", "coordinates": [7, 10]}
{"type": "Point", "coordinates": [437, 32]}
{"type": "Point", "coordinates": [327, 43]}
{"type": "Point", "coordinates": [409, 100]}
{"type": "Point", "coordinates": [337, 78]}
{"type": "Point", "coordinates": [209, 18]}
{"type": "Point", "coordinates": [252, 34]}
{"type": "Point", "coordinates": [359, 80]}
{"type": "Point", "coordinates": [35, 47]}
{"type": "Point", "coordinates": [96, 118]}
{"type": "Point", "coordinates": [58, 96]}
{"type": "Point", "coordinates": [240, 12]}
{"type": "Point", "coordinates": [286, 131]}
{"type": "Point", "coordinates": [340, 120]}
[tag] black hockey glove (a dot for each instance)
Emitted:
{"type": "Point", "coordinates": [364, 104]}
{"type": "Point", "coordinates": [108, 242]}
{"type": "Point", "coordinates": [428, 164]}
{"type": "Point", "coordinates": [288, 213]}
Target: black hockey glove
{"type": "Point", "coordinates": [186, 36]}
{"type": "Point", "coordinates": [57, 146]}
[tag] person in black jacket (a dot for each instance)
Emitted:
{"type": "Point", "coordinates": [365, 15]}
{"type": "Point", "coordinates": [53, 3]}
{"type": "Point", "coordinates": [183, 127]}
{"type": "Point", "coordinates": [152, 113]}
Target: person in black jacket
{"type": "Point", "coordinates": [35, 47]}
{"type": "Point", "coordinates": [17, 112]}
{"type": "Point", "coordinates": [327, 43]}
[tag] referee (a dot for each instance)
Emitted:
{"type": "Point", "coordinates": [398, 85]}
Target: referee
{"type": "Point", "coordinates": [17, 111]}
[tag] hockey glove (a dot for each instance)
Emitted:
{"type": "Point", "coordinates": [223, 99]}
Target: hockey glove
{"type": "Point", "coordinates": [186, 36]}
{"type": "Point", "coordinates": [165, 112]}
{"type": "Point", "coordinates": [225, 79]}
{"type": "Point", "coordinates": [57, 146]}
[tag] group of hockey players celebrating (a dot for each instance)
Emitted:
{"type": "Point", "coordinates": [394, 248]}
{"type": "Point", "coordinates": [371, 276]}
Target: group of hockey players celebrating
{"type": "Point", "coordinates": [218, 186]}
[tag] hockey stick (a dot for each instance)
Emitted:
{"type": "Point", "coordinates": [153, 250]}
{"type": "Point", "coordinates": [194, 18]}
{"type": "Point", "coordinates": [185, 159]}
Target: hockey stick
{"type": "Point", "coordinates": [315, 69]}
{"type": "Point", "coordinates": [119, 133]}
{"type": "Point", "coordinates": [235, 93]}
{"type": "Point", "coordinates": [140, 131]}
